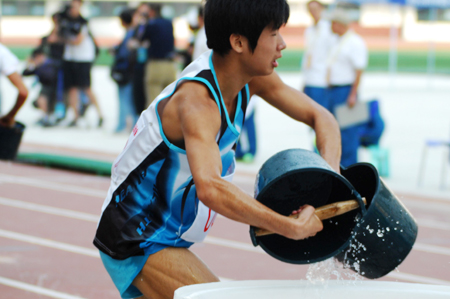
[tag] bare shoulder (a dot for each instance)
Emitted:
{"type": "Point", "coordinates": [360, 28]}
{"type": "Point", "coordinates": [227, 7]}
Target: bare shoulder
{"type": "Point", "coordinates": [264, 85]}
{"type": "Point", "coordinates": [190, 110]}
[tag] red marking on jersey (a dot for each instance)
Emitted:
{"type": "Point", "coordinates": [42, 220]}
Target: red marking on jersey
{"type": "Point", "coordinates": [135, 130]}
{"type": "Point", "coordinates": [208, 222]}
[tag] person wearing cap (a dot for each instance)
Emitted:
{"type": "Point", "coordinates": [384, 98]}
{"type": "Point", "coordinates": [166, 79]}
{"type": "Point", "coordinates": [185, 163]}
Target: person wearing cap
{"type": "Point", "coordinates": [318, 40]}
{"type": "Point", "coordinates": [346, 62]}
{"type": "Point", "coordinates": [8, 67]}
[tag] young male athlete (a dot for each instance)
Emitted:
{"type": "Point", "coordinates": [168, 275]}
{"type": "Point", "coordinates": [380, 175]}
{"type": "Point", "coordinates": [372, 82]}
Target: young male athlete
{"type": "Point", "coordinates": [173, 175]}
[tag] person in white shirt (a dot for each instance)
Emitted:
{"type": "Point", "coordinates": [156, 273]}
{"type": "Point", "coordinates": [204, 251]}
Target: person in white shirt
{"type": "Point", "coordinates": [200, 45]}
{"type": "Point", "coordinates": [8, 67]}
{"type": "Point", "coordinates": [79, 55]}
{"type": "Point", "coordinates": [318, 41]}
{"type": "Point", "coordinates": [346, 62]}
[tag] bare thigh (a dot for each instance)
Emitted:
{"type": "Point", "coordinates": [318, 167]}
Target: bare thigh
{"type": "Point", "coordinates": [169, 269]}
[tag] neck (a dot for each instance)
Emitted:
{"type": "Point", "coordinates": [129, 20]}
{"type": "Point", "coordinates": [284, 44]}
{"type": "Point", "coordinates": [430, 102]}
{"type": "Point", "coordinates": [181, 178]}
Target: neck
{"type": "Point", "coordinates": [230, 75]}
{"type": "Point", "coordinates": [343, 32]}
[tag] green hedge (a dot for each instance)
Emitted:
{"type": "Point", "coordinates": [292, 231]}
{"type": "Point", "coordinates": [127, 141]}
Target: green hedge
{"type": "Point", "coordinates": [407, 61]}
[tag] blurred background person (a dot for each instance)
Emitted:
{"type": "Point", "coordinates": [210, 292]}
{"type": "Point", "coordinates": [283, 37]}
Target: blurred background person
{"type": "Point", "coordinates": [346, 62]}
{"type": "Point", "coordinates": [247, 144]}
{"type": "Point", "coordinates": [8, 67]}
{"type": "Point", "coordinates": [139, 50]}
{"type": "Point", "coordinates": [122, 74]}
{"type": "Point", "coordinates": [46, 70]}
{"type": "Point", "coordinates": [53, 47]}
{"type": "Point", "coordinates": [200, 45]}
{"type": "Point", "coordinates": [160, 69]}
{"type": "Point", "coordinates": [319, 39]}
{"type": "Point", "coordinates": [79, 55]}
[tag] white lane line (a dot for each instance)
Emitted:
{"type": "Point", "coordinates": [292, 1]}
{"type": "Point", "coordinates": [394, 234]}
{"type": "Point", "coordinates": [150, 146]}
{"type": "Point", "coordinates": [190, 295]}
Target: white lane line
{"type": "Point", "coordinates": [52, 186]}
{"type": "Point", "coordinates": [232, 244]}
{"type": "Point", "coordinates": [49, 243]}
{"type": "Point", "coordinates": [431, 249]}
{"type": "Point", "coordinates": [48, 209]}
{"type": "Point", "coordinates": [35, 289]}
{"type": "Point", "coordinates": [417, 278]}
{"type": "Point", "coordinates": [430, 223]}
{"type": "Point", "coordinates": [440, 207]}
{"type": "Point", "coordinates": [210, 240]}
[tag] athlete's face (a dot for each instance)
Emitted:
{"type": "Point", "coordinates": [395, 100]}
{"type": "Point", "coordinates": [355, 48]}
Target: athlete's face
{"type": "Point", "coordinates": [267, 51]}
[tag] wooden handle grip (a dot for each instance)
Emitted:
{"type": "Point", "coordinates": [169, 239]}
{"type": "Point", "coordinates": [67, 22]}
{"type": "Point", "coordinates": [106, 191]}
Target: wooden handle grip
{"type": "Point", "coordinates": [324, 212]}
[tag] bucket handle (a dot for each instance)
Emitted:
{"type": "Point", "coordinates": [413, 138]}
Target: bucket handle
{"type": "Point", "coordinates": [325, 212]}
{"type": "Point", "coordinates": [361, 201]}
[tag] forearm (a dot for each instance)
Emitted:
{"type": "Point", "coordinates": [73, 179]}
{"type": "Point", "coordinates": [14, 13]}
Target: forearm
{"type": "Point", "coordinates": [16, 80]}
{"type": "Point", "coordinates": [77, 40]}
{"type": "Point", "coordinates": [231, 202]}
{"type": "Point", "coordinates": [355, 84]}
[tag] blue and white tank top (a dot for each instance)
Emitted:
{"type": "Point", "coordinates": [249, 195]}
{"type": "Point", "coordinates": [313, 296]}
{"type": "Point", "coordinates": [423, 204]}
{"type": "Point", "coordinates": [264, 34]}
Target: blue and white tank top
{"type": "Point", "coordinates": [152, 202]}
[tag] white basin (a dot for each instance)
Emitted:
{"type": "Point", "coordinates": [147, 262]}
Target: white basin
{"type": "Point", "coordinates": [336, 289]}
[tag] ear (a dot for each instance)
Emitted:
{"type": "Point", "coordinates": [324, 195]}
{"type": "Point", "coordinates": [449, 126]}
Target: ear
{"type": "Point", "coordinates": [237, 42]}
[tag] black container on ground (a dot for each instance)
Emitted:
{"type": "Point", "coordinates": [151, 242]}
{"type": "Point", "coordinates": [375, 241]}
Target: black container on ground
{"type": "Point", "coordinates": [10, 140]}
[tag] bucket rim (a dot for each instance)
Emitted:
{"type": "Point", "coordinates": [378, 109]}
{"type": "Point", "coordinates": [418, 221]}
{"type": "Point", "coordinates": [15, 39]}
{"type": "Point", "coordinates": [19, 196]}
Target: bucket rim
{"type": "Point", "coordinates": [312, 169]}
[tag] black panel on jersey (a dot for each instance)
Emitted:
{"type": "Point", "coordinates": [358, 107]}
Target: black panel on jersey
{"type": "Point", "coordinates": [115, 236]}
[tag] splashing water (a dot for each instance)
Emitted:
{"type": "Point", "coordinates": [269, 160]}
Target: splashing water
{"type": "Point", "coordinates": [320, 274]}
{"type": "Point", "coordinates": [331, 269]}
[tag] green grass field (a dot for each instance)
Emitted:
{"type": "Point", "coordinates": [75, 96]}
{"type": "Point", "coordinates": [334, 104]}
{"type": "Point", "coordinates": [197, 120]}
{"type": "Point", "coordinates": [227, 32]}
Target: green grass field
{"type": "Point", "coordinates": [407, 61]}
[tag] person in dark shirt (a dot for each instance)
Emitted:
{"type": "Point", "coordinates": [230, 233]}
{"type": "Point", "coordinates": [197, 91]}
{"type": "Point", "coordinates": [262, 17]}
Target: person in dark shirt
{"type": "Point", "coordinates": [46, 70]}
{"type": "Point", "coordinates": [140, 20]}
{"type": "Point", "coordinates": [160, 69]}
{"type": "Point", "coordinates": [52, 46]}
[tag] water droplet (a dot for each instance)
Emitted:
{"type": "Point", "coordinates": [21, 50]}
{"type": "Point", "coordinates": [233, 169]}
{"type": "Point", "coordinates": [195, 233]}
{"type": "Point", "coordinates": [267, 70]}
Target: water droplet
{"type": "Point", "coordinates": [388, 229]}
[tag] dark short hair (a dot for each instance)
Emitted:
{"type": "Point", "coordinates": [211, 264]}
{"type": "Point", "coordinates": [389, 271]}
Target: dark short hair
{"type": "Point", "coordinates": [156, 7]}
{"type": "Point", "coordinates": [126, 15]}
{"type": "Point", "coordinates": [245, 17]}
{"type": "Point", "coordinates": [37, 51]}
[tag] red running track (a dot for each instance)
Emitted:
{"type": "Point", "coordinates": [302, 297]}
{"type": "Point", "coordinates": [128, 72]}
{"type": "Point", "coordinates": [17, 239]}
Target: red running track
{"type": "Point", "coordinates": [48, 219]}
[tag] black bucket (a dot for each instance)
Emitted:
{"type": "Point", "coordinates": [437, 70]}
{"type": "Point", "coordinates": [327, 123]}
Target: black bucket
{"type": "Point", "coordinates": [386, 233]}
{"type": "Point", "coordinates": [296, 177]}
{"type": "Point", "coordinates": [293, 178]}
{"type": "Point", "coordinates": [10, 140]}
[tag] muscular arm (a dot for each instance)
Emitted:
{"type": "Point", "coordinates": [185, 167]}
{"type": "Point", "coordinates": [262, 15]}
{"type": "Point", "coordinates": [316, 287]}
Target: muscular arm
{"type": "Point", "coordinates": [199, 120]}
{"type": "Point", "coordinates": [302, 108]}
{"type": "Point", "coordinates": [16, 80]}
